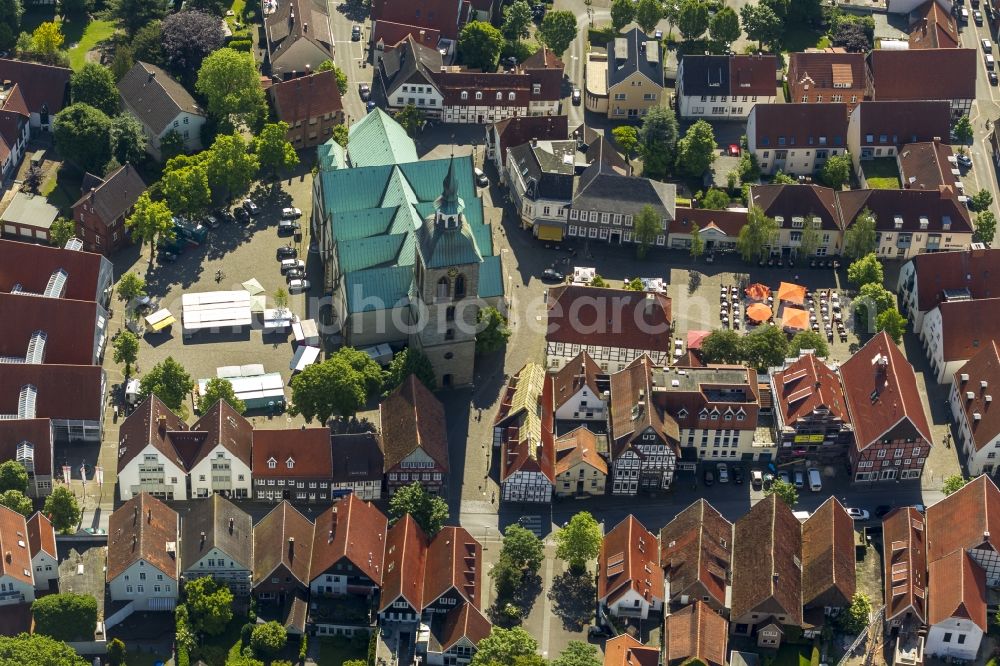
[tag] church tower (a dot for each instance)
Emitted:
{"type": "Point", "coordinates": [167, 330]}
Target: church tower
{"type": "Point", "coordinates": [447, 282]}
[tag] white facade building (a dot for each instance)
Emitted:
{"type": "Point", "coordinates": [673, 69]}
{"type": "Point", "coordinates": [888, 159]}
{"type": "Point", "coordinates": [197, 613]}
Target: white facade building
{"type": "Point", "coordinates": [143, 567]}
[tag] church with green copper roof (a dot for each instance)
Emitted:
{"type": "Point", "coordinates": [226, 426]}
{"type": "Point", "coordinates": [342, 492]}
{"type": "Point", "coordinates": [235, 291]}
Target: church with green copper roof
{"type": "Point", "coordinates": [408, 256]}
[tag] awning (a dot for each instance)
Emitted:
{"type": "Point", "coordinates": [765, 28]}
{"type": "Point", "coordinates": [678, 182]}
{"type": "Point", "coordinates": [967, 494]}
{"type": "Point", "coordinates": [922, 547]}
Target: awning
{"type": "Point", "coordinates": [759, 312]}
{"type": "Point", "coordinates": [794, 319]}
{"type": "Point", "coordinates": [258, 303]}
{"type": "Point", "coordinates": [757, 292]}
{"type": "Point", "coordinates": [304, 356]}
{"type": "Point", "coordinates": [695, 338]}
{"type": "Point", "coordinates": [160, 319]}
{"type": "Point", "coordinates": [549, 233]}
{"type": "Point", "coordinates": [792, 293]}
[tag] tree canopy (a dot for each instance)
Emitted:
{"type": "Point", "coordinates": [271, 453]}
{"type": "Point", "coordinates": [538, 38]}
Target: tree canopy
{"type": "Point", "coordinates": [409, 361]}
{"type": "Point", "coordinates": [860, 238]}
{"type": "Point", "coordinates": [579, 541]}
{"type": "Point", "coordinates": [647, 14]}
{"type": "Point", "coordinates": [150, 221]}
{"type": "Point", "coordinates": [15, 500]}
{"type": "Point", "coordinates": [503, 646]}
{"type": "Point", "coordinates": [724, 27]}
{"type": "Point", "coordinates": [230, 82]}
{"type": "Point", "coordinates": [658, 142]}
{"type": "Point", "coordinates": [578, 653]}
{"type": "Point", "coordinates": [626, 136]}
{"type": "Point", "coordinates": [128, 140]}
{"type": "Point", "coordinates": [986, 227]}
{"type": "Point", "coordinates": [231, 166]}
{"type": "Point", "coordinates": [13, 476]}
{"type": "Point", "coordinates": [37, 650]}
{"type": "Point", "coordinates": [186, 189]}
{"type": "Point", "coordinates": [493, 331]}
{"type": "Point", "coordinates": [126, 350]}
{"type": "Point", "coordinates": [954, 483]}
{"type": "Point", "coordinates": [765, 347]}
{"type": "Point", "coordinates": [757, 235]}
{"type": "Point", "coordinates": [188, 38]}
{"type": "Point", "coordinates": [274, 152]}
{"type": "Point", "coordinates": [82, 136]}
{"type": "Point", "coordinates": [268, 638]}
{"type": "Point", "coordinates": [557, 31]}
{"type": "Point", "coordinates": [480, 44]}
{"type": "Point", "coordinates": [94, 84]}
{"type": "Point", "coordinates": [517, 20]}
{"type": "Point", "coordinates": [696, 150]}
{"type": "Point", "coordinates": [808, 340]}
{"type": "Point", "coordinates": [892, 322]}
{"type": "Point", "coordinates": [622, 13]}
{"type": "Point", "coordinates": [760, 23]}
{"type": "Point", "coordinates": [867, 269]}
{"type": "Point", "coordinates": [427, 510]}
{"type": "Point", "coordinates": [522, 548]}
{"type": "Point", "coordinates": [721, 346]}
{"type": "Point", "coordinates": [692, 19]}
{"type": "Point", "coordinates": [63, 229]}
{"type": "Point", "coordinates": [62, 509]}
{"type": "Point", "coordinates": [216, 389]}
{"type": "Point", "coordinates": [339, 386]}
{"type": "Point", "coordinates": [647, 227]}
{"type": "Point", "coordinates": [168, 381]}
{"type": "Point", "coordinates": [66, 616]}
{"type": "Point", "coordinates": [785, 491]}
{"type": "Point", "coordinates": [134, 14]}
{"type": "Point", "coordinates": [837, 171]}
{"type": "Point", "coordinates": [210, 605]}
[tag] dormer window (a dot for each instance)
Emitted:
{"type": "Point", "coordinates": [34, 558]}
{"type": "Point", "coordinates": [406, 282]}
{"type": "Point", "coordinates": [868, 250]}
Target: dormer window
{"type": "Point", "coordinates": [511, 96]}
{"type": "Point", "coordinates": [272, 463]}
{"type": "Point", "coordinates": [499, 96]}
{"type": "Point", "coordinates": [290, 463]}
{"type": "Point", "coordinates": [465, 95]}
{"type": "Point", "coordinates": [703, 414]}
{"type": "Point", "coordinates": [682, 414]}
{"type": "Point", "coordinates": [479, 95]}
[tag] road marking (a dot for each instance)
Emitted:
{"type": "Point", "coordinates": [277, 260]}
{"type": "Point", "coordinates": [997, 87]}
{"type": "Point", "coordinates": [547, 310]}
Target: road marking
{"type": "Point", "coordinates": [547, 616]}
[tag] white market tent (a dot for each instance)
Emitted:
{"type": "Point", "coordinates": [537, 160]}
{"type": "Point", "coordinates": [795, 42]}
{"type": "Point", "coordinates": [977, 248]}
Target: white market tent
{"type": "Point", "coordinates": [306, 332]}
{"type": "Point", "coordinates": [304, 356]}
{"type": "Point", "coordinates": [258, 391]}
{"type": "Point", "coordinates": [215, 310]}
{"type": "Point", "coordinates": [277, 318]}
{"type": "Point", "coordinates": [248, 370]}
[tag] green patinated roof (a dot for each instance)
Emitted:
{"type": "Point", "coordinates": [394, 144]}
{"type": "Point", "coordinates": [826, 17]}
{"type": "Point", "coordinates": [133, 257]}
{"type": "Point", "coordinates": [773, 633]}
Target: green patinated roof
{"type": "Point", "coordinates": [377, 288]}
{"type": "Point", "coordinates": [362, 253]}
{"type": "Point", "coordinates": [440, 247]}
{"type": "Point", "coordinates": [332, 155]}
{"type": "Point", "coordinates": [377, 140]}
{"type": "Point", "coordinates": [354, 189]}
{"type": "Point", "coordinates": [490, 278]}
{"type": "Point", "coordinates": [356, 224]}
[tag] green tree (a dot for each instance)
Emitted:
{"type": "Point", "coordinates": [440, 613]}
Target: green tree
{"type": "Point", "coordinates": [210, 605]}
{"type": "Point", "coordinates": [37, 650]}
{"type": "Point", "coordinates": [696, 150]}
{"type": "Point", "coordinates": [480, 44]}
{"type": "Point", "coordinates": [231, 165]}
{"type": "Point", "coordinates": [94, 84]}
{"type": "Point", "coordinates": [697, 244]}
{"type": "Point", "coordinates": [692, 20]}
{"type": "Point", "coordinates": [507, 577]}
{"type": "Point", "coordinates": [981, 200]}
{"type": "Point", "coordinates": [954, 483]}
{"type": "Point", "coordinates": [411, 119]}
{"type": "Point", "coordinates": [134, 14]}
{"type": "Point", "coordinates": [370, 371]}
{"type": "Point", "coordinates": [428, 511]}
{"type": "Point", "coordinates": [150, 221]}
{"type": "Point", "coordinates": [963, 129]}
{"type": "Point", "coordinates": [873, 294]}
{"type": "Point", "coordinates": [493, 331]}
{"type": "Point", "coordinates": [757, 235]}
{"type": "Point", "coordinates": [128, 140]}
{"type": "Point", "coordinates": [866, 270]}
{"type": "Point", "coordinates": [715, 199]}
{"type": "Point", "coordinates": [503, 646]}
{"type": "Point", "coordinates": [168, 381]}
{"type": "Point", "coordinates": [893, 323]}
{"type": "Point", "coordinates": [748, 168]}
{"type": "Point", "coordinates": [15, 500]}
{"type": "Point", "coordinates": [171, 146]}
{"type": "Point", "coordinates": [116, 652]}
{"type": "Point", "coordinates": [13, 476]}
{"type": "Point", "coordinates": [557, 31]}
{"type": "Point", "coordinates": [522, 548]}
{"type": "Point", "coordinates": [66, 616]}
{"type": "Point", "coordinates": [808, 340]}
{"type": "Point", "coordinates": [986, 227]}
{"type": "Point", "coordinates": [329, 65]}
{"type": "Point", "coordinates": [781, 178]}
{"type": "Point", "coordinates": [857, 616]}
{"type": "Point", "coordinates": [658, 142]}
{"type": "Point", "coordinates": [63, 229]}
{"type": "Point", "coordinates": [647, 227]}
{"type": "Point", "coordinates": [280, 298]}
{"type": "Point", "coordinates": [579, 541]}
{"type": "Point", "coordinates": [837, 171]}
{"type": "Point", "coordinates": [860, 238]}
{"type": "Point", "coordinates": [130, 286]}
{"type": "Point", "coordinates": [62, 509]}
{"type": "Point", "coordinates": [216, 389]}
{"type": "Point", "coordinates": [622, 13]}
{"type": "Point", "coordinates": [216, 7]}
{"type": "Point", "coordinates": [126, 350]}
{"type": "Point", "coordinates": [517, 21]}
{"type": "Point", "coordinates": [626, 136]}
{"type": "Point", "coordinates": [340, 134]}
{"type": "Point", "coordinates": [761, 24]}
{"type": "Point", "coordinates": [647, 14]}
{"type": "Point", "coordinates": [409, 361]}
{"type": "Point", "coordinates": [274, 152]}
{"type": "Point", "coordinates": [598, 281]}
{"type": "Point", "coordinates": [47, 39]}
{"type": "Point", "coordinates": [578, 653]}
{"type": "Point", "coordinates": [230, 82]}
{"type": "Point", "coordinates": [186, 189]}
{"type": "Point", "coordinates": [724, 27]}
{"type": "Point", "coordinates": [147, 44]}
{"type": "Point", "coordinates": [721, 346]}
{"type": "Point", "coordinates": [82, 136]}
{"type": "Point", "coordinates": [809, 240]}
{"type": "Point", "coordinates": [328, 388]}
{"type": "Point", "coordinates": [765, 347]}
{"type": "Point", "coordinates": [635, 284]}
{"type": "Point", "coordinates": [268, 639]}
{"type": "Point", "coordinates": [184, 635]}
{"type": "Point", "coordinates": [785, 491]}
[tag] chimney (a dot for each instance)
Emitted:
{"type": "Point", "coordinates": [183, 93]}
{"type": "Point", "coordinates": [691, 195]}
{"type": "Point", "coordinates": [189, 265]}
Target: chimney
{"type": "Point", "coordinates": [149, 515]}
{"type": "Point", "coordinates": [774, 579]}
{"type": "Point", "coordinates": [7, 556]}
{"type": "Point", "coordinates": [203, 538]}
{"type": "Point", "coordinates": [161, 422]}
{"type": "Point", "coordinates": [291, 548]}
{"type": "Point", "coordinates": [305, 26]}
{"type": "Point", "coordinates": [152, 75]}
{"type": "Point", "coordinates": [534, 142]}
{"type": "Point", "coordinates": [231, 522]}
{"type": "Point", "coordinates": [649, 303]}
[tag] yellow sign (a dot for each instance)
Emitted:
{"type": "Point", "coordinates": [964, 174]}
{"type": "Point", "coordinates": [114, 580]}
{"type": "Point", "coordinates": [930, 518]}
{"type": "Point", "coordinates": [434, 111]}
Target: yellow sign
{"type": "Point", "coordinates": [810, 439]}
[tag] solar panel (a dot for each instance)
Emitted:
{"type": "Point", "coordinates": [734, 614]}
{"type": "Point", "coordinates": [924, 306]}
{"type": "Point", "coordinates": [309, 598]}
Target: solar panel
{"type": "Point", "coordinates": [56, 285]}
{"type": "Point", "coordinates": [26, 402]}
{"type": "Point", "coordinates": [36, 348]}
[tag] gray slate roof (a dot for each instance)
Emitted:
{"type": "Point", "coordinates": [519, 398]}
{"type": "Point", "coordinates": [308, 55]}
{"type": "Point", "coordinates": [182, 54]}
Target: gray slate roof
{"type": "Point", "coordinates": [631, 53]}
{"type": "Point", "coordinates": [155, 98]}
{"type": "Point", "coordinates": [113, 196]}
{"type": "Point", "coordinates": [299, 36]}
{"type": "Point", "coordinates": [211, 517]}
{"type": "Point", "coordinates": [600, 188]}
{"type": "Point", "coordinates": [408, 63]}
{"type": "Point", "coordinates": [544, 168]}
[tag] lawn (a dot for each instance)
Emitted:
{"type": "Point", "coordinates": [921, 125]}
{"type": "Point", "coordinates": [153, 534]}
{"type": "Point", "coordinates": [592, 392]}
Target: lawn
{"type": "Point", "coordinates": [881, 173]}
{"type": "Point", "coordinates": [63, 190]}
{"type": "Point", "coordinates": [95, 33]}
{"type": "Point", "coordinates": [793, 655]}
{"type": "Point", "coordinates": [335, 651]}
{"type": "Point", "coordinates": [799, 38]}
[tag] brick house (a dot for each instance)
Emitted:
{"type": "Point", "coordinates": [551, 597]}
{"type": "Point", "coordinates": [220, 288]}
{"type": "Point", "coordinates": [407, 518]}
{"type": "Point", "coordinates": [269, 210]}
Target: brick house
{"type": "Point", "coordinates": [414, 438]}
{"type": "Point", "coordinates": [311, 105]}
{"type": "Point", "coordinates": [100, 213]}
{"type": "Point", "coordinates": [816, 76]}
{"type": "Point", "coordinates": [294, 465]}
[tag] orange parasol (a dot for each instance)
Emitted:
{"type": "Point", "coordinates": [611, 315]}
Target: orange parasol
{"type": "Point", "coordinates": [791, 293]}
{"type": "Point", "coordinates": [757, 291]}
{"type": "Point", "coordinates": [794, 319]}
{"type": "Point", "coordinates": [759, 312]}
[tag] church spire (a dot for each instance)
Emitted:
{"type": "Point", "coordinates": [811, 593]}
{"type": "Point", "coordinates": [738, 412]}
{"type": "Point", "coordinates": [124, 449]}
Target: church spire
{"type": "Point", "coordinates": [449, 193]}
{"type": "Point", "coordinates": [449, 205]}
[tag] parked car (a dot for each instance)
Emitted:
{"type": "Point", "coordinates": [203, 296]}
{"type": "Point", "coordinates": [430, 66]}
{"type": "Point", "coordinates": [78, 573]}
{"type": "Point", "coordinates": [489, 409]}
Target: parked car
{"type": "Point", "coordinates": [251, 207]}
{"type": "Point", "coordinates": [599, 632]}
{"type": "Point", "coordinates": [294, 274]}
{"type": "Point", "coordinates": [481, 179]}
{"type": "Point", "coordinates": [292, 264]}
{"type": "Point", "coordinates": [290, 213]}
{"type": "Point", "coordinates": [783, 475]}
{"type": "Point", "coordinates": [286, 252]}
{"type": "Point", "coordinates": [992, 76]}
{"type": "Point", "coordinates": [964, 160]}
{"type": "Point", "coordinates": [295, 286]}
{"type": "Point", "coordinates": [723, 472]}
{"type": "Point", "coordinates": [756, 479]}
{"type": "Point", "coordinates": [356, 33]}
{"type": "Point", "coordinates": [576, 97]}
{"type": "Point", "coordinates": [166, 257]}
{"type": "Point", "coordinates": [738, 476]}
{"type": "Point", "coordinates": [800, 479]}
{"type": "Point", "coordinates": [987, 45]}
{"type": "Point", "coordinates": [241, 215]}
{"type": "Point", "coordinates": [365, 91]}
{"type": "Point", "coordinates": [977, 17]}
{"type": "Point", "coordinates": [658, 35]}
{"type": "Point", "coordinates": [223, 215]}
{"type": "Point", "coordinates": [858, 514]}
{"type": "Point", "coordinates": [211, 222]}
{"type": "Point", "coordinates": [288, 227]}
{"type": "Point", "coordinates": [709, 477]}
{"type": "Point", "coordinates": [552, 275]}
{"type": "Point", "coordinates": [370, 105]}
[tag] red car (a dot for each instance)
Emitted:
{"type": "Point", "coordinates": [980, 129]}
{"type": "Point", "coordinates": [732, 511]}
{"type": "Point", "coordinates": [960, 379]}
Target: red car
{"type": "Point", "coordinates": [734, 150]}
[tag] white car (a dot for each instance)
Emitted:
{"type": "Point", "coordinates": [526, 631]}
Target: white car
{"type": "Point", "coordinates": [295, 286]}
{"type": "Point", "coordinates": [250, 207]}
{"type": "Point", "coordinates": [290, 264]}
{"type": "Point", "coordinates": [290, 213]}
{"type": "Point", "coordinates": [723, 472]}
{"type": "Point", "coordinates": [858, 514]}
{"type": "Point", "coordinates": [987, 46]}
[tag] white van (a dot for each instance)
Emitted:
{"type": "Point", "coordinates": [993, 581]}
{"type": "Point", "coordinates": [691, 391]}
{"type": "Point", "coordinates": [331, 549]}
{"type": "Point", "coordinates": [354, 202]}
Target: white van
{"type": "Point", "coordinates": [990, 61]}
{"type": "Point", "coordinates": [815, 482]}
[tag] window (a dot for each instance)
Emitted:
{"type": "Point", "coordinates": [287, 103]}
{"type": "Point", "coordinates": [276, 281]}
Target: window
{"type": "Point", "coordinates": [479, 95]}
{"type": "Point", "coordinates": [619, 97]}
{"type": "Point", "coordinates": [499, 96]}
{"type": "Point", "coordinates": [511, 96]}
{"type": "Point", "coordinates": [460, 286]}
{"type": "Point", "coordinates": [464, 95]}
{"type": "Point", "coordinates": [272, 463]}
{"type": "Point", "coordinates": [947, 637]}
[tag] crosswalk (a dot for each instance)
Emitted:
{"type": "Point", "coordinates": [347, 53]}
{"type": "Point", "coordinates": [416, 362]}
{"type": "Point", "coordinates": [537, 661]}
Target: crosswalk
{"type": "Point", "coordinates": [532, 523]}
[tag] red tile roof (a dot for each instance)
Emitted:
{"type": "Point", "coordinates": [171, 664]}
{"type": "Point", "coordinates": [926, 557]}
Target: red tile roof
{"type": "Point", "coordinates": [962, 269]}
{"type": "Point", "coordinates": [696, 631]}
{"type": "Point", "coordinates": [790, 201]}
{"type": "Point", "coordinates": [63, 391]}
{"type": "Point", "coordinates": [815, 69]}
{"type": "Point", "coordinates": [983, 367]}
{"type": "Point", "coordinates": [151, 423]}
{"type": "Point", "coordinates": [521, 129]}
{"type": "Point", "coordinates": [308, 448]}
{"type": "Point", "coordinates": [69, 327]}
{"type": "Point", "coordinates": [143, 528]}
{"type": "Point", "coordinates": [957, 589]}
{"type": "Point", "coordinates": [697, 546]}
{"type": "Point", "coordinates": [453, 83]}
{"type": "Point", "coordinates": [629, 560]}
{"type": "Point", "coordinates": [609, 318]}
{"type": "Point", "coordinates": [38, 432]}
{"type": "Point", "coordinates": [412, 418]}
{"type": "Point", "coordinates": [728, 222]}
{"type": "Point", "coordinates": [14, 543]}
{"type": "Point", "coordinates": [803, 125]}
{"type": "Point", "coordinates": [391, 34]}
{"type": "Point", "coordinates": [351, 529]}
{"type": "Point", "coordinates": [931, 27]}
{"type": "Point", "coordinates": [882, 396]}
{"type": "Point", "coordinates": [967, 327]}
{"type": "Point", "coordinates": [630, 387]}
{"type": "Point", "coordinates": [578, 446]}
{"type": "Point", "coordinates": [624, 650]}
{"type": "Point", "coordinates": [405, 556]}
{"type": "Point", "coordinates": [945, 74]}
{"type": "Point", "coordinates": [926, 165]}
{"type": "Point", "coordinates": [828, 576]}
{"type": "Point", "coordinates": [806, 385]}
{"type": "Point", "coordinates": [31, 266]}
{"type": "Point", "coordinates": [42, 85]}
{"type": "Point", "coordinates": [528, 443]}
{"type": "Point", "coordinates": [307, 97]}
{"type": "Point", "coordinates": [580, 371]}
{"type": "Point", "coordinates": [454, 560]}
{"type": "Point", "coordinates": [222, 424]}
{"type": "Point", "coordinates": [545, 69]}
{"type": "Point", "coordinates": [284, 537]}
{"type": "Point", "coordinates": [766, 570]}
{"type": "Point", "coordinates": [464, 621]}
{"type": "Point", "coordinates": [968, 518]}
{"type": "Point", "coordinates": [41, 535]}
{"type": "Point", "coordinates": [442, 15]}
{"type": "Point", "coordinates": [905, 562]}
